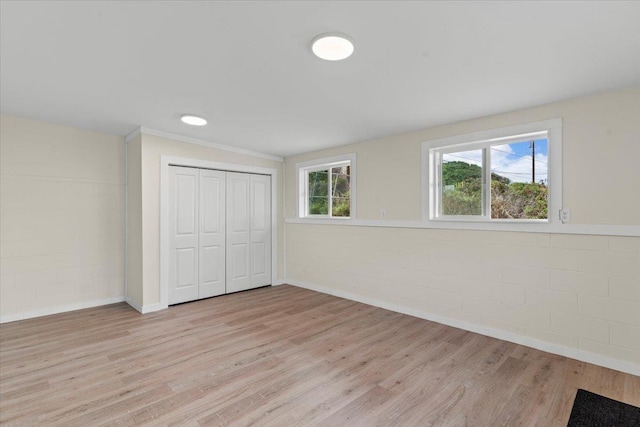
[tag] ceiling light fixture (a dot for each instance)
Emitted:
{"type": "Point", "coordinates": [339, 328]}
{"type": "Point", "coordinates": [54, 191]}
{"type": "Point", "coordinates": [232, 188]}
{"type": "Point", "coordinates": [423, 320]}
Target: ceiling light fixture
{"type": "Point", "coordinates": [192, 120]}
{"type": "Point", "coordinates": [332, 46]}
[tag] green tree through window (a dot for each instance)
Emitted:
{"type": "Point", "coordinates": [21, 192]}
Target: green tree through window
{"type": "Point", "coordinates": [337, 195]}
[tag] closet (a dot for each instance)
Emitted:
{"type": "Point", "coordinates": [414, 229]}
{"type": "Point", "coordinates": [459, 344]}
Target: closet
{"type": "Point", "coordinates": [220, 232]}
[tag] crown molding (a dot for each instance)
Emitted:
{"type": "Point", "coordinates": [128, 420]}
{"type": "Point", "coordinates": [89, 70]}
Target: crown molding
{"type": "Point", "coordinates": [162, 134]}
{"type": "Point", "coordinates": [137, 131]}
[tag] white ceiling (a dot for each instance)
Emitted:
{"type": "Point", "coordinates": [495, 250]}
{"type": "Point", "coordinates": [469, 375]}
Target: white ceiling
{"type": "Point", "coordinates": [247, 66]}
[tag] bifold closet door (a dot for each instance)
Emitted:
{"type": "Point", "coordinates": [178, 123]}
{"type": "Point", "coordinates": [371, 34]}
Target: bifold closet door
{"type": "Point", "coordinates": [238, 232]}
{"type": "Point", "coordinates": [184, 222]}
{"type": "Point", "coordinates": [197, 238]}
{"type": "Point", "coordinates": [220, 237]}
{"type": "Point", "coordinates": [248, 231]}
{"type": "Point", "coordinates": [260, 230]}
{"type": "Point", "coordinates": [212, 240]}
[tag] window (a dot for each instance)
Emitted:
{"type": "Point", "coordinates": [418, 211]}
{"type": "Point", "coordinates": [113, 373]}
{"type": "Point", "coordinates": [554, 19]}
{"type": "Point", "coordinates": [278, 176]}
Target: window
{"type": "Point", "coordinates": [326, 188]}
{"type": "Point", "coordinates": [509, 174]}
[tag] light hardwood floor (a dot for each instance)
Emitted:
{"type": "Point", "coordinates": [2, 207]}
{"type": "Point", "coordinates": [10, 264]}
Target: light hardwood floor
{"type": "Point", "coordinates": [281, 356]}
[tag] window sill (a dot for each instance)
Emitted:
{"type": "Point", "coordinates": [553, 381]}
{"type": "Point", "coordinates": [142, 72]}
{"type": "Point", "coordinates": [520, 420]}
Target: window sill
{"type": "Point", "coordinates": [537, 227]}
{"type": "Point", "coordinates": [321, 219]}
{"type": "Point", "coordinates": [473, 220]}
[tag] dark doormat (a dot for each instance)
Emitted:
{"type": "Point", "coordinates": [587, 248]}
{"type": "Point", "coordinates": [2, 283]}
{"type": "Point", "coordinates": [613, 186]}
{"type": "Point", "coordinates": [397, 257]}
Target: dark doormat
{"type": "Point", "coordinates": [593, 410]}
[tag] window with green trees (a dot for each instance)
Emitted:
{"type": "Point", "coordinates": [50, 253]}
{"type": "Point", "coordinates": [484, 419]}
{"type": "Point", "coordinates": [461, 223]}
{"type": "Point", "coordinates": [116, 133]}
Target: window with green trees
{"type": "Point", "coordinates": [503, 179]}
{"type": "Point", "coordinates": [327, 190]}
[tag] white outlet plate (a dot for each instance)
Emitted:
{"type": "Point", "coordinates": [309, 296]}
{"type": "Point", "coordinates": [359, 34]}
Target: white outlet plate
{"type": "Point", "coordinates": [565, 215]}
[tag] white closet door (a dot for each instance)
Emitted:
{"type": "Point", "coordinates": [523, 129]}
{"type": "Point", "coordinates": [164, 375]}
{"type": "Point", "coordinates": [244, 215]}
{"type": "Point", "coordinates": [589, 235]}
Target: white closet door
{"type": "Point", "coordinates": [238, 232]}
{"type": "Point", "coordinates": [212, 233]}
{"type": "Point", "coordinates": [260, 230]}
{"type": "Point", "coordinates": [183, 220]}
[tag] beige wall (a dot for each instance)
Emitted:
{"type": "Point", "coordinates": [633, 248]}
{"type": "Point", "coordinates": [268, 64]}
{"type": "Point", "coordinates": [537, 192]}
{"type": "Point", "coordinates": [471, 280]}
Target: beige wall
{"type": "Point", "coordinates": [134, 221]}
{"type": "Point", "coordinates": [152, 148]}
{"type": "Point", "coordinates": [575, 291]}
{"type": "Point", "coordinates": [601, 148]}
{"type": "Point", "coordinates": [62, 215]}
{"type": "Point", "coordinates": [61, 218]}
{"type": "Point", "coordinates": [572, 294]}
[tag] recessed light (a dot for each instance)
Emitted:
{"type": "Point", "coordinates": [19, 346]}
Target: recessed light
{"type": "Point", "coordinates": [332, 46]}
{"type": "Point", "coordinates": [190, 119]}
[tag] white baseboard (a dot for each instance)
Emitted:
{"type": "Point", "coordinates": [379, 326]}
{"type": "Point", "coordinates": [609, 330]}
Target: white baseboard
{"type": "Point", "coordinates": [584, 356]}
{"type": "Point", "coordinates": [144, 309]}
{"type": "Point", "coordinates": [133, 304]}
{"type": "Point", "coordinates": [153, 307]}
{"type": "Point", "coordinates": [159, 306]}
{"type": "Point", "coordinates": [60, 309]}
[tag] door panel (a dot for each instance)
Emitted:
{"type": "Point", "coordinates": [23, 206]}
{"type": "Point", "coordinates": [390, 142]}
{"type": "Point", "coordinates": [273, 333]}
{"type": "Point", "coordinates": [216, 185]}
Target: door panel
{"type": "Point", "coordinates": [210, 267]}
{"type": "Point", "coordinates": [260, 230]}
{"type": "Point", "coordinates": [212, 201]}
{"type": "Point", "coordinates": [212, 233]}
{"type": "Point", "coordinates": [186, 193]}
{"type": "Point", "coordinates": [258, 255]}
{"type": "Point", "coordinates": [183, 242]}
{"type": "Point", "coordinates": [239, 202]}
{"type": "Point", "coordinates": [240, 261]}
{"type": "Point", "coordinates": [238, 232]}
{"type": "Point", "coordinates": [185, 259]}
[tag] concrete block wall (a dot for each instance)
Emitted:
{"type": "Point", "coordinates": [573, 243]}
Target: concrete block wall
{"type": "Point", "coordinates": [578, 292]}
{"type": "Point", "coordinates": [61, 218]}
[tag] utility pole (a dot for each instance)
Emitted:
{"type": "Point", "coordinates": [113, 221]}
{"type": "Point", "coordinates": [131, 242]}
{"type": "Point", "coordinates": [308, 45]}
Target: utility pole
{"type": "Point", "coordinates": [533, 161]}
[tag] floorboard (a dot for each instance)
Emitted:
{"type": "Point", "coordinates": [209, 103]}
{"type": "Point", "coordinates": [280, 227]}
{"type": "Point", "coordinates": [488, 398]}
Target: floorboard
{"type": "Point", "coordinates": [281, 356]}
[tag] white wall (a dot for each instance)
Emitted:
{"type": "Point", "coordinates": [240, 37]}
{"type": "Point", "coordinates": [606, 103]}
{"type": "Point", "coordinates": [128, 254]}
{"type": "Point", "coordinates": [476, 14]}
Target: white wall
{"type": "Point", "coordinates": [134, 222]}
{"type": "Point", "coordinates": [571, 294]}
{"type": "Point", "coordinates": [601, 148]}
{"type": "Point", "coordinates": [61, 218]}
{"type": "Point", "coordinates": [153, 147]}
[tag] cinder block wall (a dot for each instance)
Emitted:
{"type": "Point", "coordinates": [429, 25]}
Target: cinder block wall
{"type": "Point", "coordinates": [62, 223]}
{"type": "Point", "coordinates": [571, 294]}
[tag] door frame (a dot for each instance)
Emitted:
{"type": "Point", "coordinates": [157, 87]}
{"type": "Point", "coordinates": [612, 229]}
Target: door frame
{"type": "Point", "coordinates": [165, 162]}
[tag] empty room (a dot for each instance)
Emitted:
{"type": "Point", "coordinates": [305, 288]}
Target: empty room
{"type": "Point", "coordinates": [320, 213]}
